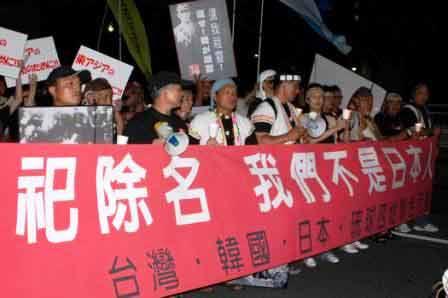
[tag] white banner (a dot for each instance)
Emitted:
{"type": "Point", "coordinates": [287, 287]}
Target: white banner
{"type": "Point", "coordinates": [103, 66]}
{"type": "Point", "coordinates": [327, 72]}
{"type": "Point", "coordinates": [12, 44]}
{"type": "Point", "coordinates": [40, 58]}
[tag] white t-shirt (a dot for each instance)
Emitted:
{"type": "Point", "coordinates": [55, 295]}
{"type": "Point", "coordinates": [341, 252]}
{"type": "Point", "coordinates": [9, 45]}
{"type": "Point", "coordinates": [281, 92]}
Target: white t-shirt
{"type": "Point", "coordinates": [281, 124]}
{"type": "Point", "coordinates": [199, 128]}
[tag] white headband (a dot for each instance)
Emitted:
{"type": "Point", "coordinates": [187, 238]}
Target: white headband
{"type": "Point", "coordinates": [290, 77]}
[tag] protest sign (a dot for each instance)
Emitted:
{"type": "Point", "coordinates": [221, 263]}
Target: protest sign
{"type": "Point", "coordinates": [327, 72]}
{"type": "Point", "coordinates": [40, 58]}
{"type": "Point", "coordinates": [12, 44]}
{"type": "Point", "coordinates": [117, 73]}
{"type": "Point", "coordinates": [203, 41]}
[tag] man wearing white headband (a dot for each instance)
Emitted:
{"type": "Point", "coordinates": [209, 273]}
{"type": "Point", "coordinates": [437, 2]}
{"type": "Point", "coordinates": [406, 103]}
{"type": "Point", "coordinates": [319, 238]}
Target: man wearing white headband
{"type": "Point", "coordinates": [276, 119]}
{"type": "Point", "coordinates": [222, 126]}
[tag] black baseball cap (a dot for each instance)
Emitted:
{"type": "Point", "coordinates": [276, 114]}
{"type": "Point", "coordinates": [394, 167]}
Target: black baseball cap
{"type": "Point", "coordinates": [162, 79]}
{"type": "Point", "coordinates": [67, 71]}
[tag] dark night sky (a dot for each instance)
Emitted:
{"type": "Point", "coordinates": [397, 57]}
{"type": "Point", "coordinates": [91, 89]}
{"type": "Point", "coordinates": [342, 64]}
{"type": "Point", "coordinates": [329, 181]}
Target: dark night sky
{"type": "Point", "coordinates": [395, 43]}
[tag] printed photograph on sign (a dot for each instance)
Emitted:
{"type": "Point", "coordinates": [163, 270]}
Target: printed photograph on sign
{"type": "Point", "coordinates": [66, 125]}
{"type": "Point", "coordinates": [203, 41]}
{"type": "Point", "coordinates": [40, 58]}
{"type": "Point", "coordinates": [117, 73]}
{"type": "Point", "coordinates": [12, 45]}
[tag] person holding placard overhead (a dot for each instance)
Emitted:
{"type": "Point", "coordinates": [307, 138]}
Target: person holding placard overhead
{"type": "Point", "coordinates": [222, 126]}
{"type": "Point", "coordinates": [275, 119]}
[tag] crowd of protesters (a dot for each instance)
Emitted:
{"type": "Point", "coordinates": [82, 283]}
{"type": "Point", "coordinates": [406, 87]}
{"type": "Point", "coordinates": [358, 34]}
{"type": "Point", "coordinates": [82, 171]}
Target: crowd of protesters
{"type": "Point", "coordinates": [279, 110]}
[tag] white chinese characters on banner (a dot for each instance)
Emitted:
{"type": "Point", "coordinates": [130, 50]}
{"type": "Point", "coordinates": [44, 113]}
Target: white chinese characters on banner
{"type": "Point", "coordinates": [35, 209]}
{"type": "Point", "coordinates": [264, 166]}
{"type": "Point", "coordinates": [371, 167]}
{"type": "Point", "coordinates": [428, 167]}
{"type": "Point", "coordinates": [416, 167]}
{"type": "Point", "coordinates": [398, 168]}
{"type": "Point", "coordinates": [183, 192]}
{"type": "Point", "coordinates": [118, 202]}
{"type": "Point", "coordinates": [303, 166]}
{"type": "Point", "coordinates": [339, 171]}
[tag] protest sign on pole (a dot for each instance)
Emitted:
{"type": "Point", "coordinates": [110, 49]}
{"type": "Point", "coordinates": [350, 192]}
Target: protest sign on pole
{"type": "Point", "coordinates": [40, 58]}
{"type": "Point", "coordinates": [203, 42]}
{"type": "Point", "coordinates": [117, 73]}
{"type": "Point", "coordinates": [327, 72]}
{"type": "Point", "coordinates": [12, 44]}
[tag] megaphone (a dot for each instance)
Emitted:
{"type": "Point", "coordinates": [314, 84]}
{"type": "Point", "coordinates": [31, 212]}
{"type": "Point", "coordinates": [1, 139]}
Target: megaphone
{"type": "Point", "coordinates": [175, 142]}
{"type": "Point", "coordinates": [314, 124]}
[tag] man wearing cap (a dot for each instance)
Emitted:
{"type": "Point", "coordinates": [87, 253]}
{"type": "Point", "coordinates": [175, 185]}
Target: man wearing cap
{"type": "Point", "coordinates": [222, 126]}
{"type": "Point", "coordinates": [275, 121]}
{"type": "Point", "coordinates": [64, 85]}
{"type": "Point", "coordinates": [166, 92]}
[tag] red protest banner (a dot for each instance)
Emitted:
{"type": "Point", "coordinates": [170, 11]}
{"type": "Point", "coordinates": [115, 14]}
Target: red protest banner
{"type": "Point", "coordinates": [111, 221]}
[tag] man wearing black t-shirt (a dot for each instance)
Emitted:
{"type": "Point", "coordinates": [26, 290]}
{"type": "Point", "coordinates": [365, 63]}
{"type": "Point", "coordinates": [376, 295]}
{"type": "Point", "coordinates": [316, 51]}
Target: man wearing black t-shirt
{"type": "Point", "coordinates": [275, 118]}
{"type": "Point", "coordinates": [166, 91]}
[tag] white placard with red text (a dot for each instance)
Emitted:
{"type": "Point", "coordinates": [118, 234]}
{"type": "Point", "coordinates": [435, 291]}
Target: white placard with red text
{"type": "Point", "coordinates": [103, 66]}
{"type": "Point", "coordinates": [12, 44]}
{"type": "Point", "coordinates": [40, 57]}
